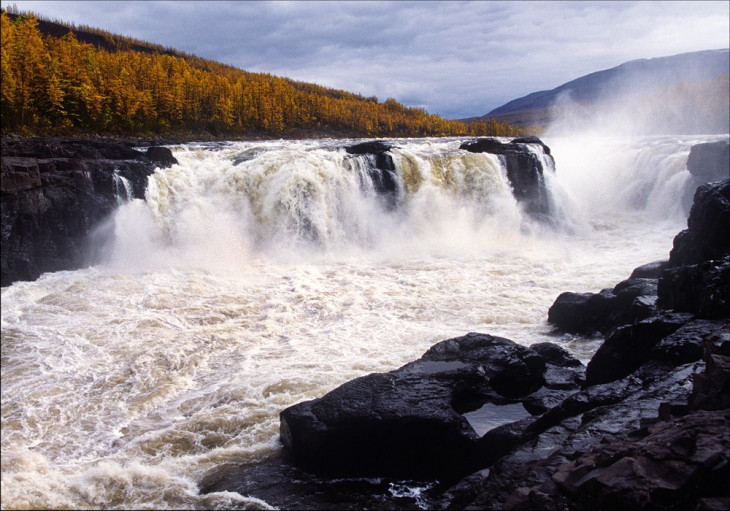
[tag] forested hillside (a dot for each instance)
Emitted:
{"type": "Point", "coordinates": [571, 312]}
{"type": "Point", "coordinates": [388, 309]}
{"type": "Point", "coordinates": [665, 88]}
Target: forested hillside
{"type": "Point", "coordinates": [54, 83]}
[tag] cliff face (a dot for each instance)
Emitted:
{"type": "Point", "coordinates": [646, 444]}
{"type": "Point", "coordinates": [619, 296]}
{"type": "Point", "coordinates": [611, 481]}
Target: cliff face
{"type": "Point", "coordinates": [55, 192]}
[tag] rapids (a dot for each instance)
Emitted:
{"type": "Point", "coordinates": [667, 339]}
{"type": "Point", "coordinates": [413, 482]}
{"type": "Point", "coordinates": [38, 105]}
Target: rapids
{"type": "Point", "coordinates": [259, 274]}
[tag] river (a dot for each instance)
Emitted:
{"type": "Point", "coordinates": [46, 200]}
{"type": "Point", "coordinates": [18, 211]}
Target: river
{"type": "Point", "coordinates": [259, 274]}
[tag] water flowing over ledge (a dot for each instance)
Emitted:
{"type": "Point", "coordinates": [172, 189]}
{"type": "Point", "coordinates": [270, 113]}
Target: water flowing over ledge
{"type": "Point", "coordinates": [236, 290]}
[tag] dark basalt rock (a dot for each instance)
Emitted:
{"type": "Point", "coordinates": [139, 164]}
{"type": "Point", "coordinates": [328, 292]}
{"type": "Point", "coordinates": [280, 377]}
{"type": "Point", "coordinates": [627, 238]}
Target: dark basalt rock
{"type": "Point", "coordinates": [584, 419]}
{"type": "Point", "coordinates": [649, 270]}
{"type": "Point", "coordinates": [410, 423]}
{"type": "Point", "coordinates": [55, 191]}
{"type": "Point", "coordinates": [707, 235]}
{"type": "Point", "coordinates": [703, 289]}
{"type": "Point", "coordinates": [628, 347]}
{"type": "Point", "coordinates": [283, 485]}
{"type": "Point", "coordinates": [698, 279]}
{"type": "Point", "coordinates": [382, 171]}
{"type": "Point", "coordinates": [369, 147]}
{"type": "Point", "coordinates": [588, 313]}
{"type": "Point", "coordinates": [709, 161]}
{"type": "Point", "coordinates": [687, 342]}
{"type": "Point", "coordinates": [671, 466]}
{"type": "Point", "coordinates": [161, 155]}
{"type": "Point", "coordinates": [524, 170]}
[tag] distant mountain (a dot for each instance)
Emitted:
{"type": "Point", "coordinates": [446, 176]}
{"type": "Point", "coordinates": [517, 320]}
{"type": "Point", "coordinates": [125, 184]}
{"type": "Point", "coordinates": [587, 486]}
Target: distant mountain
{"type": "Point", "coordinates": [689, 83]}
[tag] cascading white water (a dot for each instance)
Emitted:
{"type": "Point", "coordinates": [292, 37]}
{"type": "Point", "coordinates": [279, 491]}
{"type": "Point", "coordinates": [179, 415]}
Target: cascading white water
{"type": "Point", "coordinates": [122, 188]}
{"type": "Point", "coordinates": [259, 274]}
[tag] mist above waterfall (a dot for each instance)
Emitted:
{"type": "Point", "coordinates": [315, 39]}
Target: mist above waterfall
{"type": "Point", "coordinates": [684, 94]}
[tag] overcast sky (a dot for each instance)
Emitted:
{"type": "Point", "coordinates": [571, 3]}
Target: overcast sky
{"type": "Point", "coordinates": [455, 59]}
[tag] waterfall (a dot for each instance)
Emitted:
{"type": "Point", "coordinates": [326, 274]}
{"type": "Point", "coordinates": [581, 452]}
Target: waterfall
{"type": "Point", "coordinates": [122, 188]}
{"type": "Point", "coordinates": [256, 275]}
{"type": "Point", "coordinates": [274, 198]}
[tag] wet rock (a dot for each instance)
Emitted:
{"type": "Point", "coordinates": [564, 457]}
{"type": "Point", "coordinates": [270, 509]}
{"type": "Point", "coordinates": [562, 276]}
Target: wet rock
{"type": "Point", "coordinates": [703, 289]}
{"type": "Point", "coordinates": [381, 170]}
{"type": "Point", "coordinates": [709, 161]}
{"type": "Point", "coordinates": [649, 270]}
{"type": "Point", "coordinates": [369, 147]}
{"type": "Point", "coordinates": [281, 484]}
{"type": "Point", "coordinates": [707, 236]}
{"type": "Point", "coordinates": [629, 301]}
{"type": "Point", "coordinates": [686, 344]}
{"type": "Point", "coordinates": [672, 467]}
{"type": "Point", "coordinates": [55, 191]}
{"type": "Point", "coordinates": [525, 170]}
{"type": "Point", "coordinates": [582, 312]}
{"type": "Point", "coordinates": [162, 156]}
{"type": "Point", "coordinates": [629, 346]}
{"type": "Point", "coordinates": [678, 460]}
{"type": "Point", "coordinates": [411, 422]}
{"type": "Point", "coordinates": [593, 416]}
{"type": "Point", "coordinates": [711, 388]}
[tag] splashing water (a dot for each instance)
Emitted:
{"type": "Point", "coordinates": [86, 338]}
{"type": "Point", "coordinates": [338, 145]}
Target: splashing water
{"type": "Point", "coordinates": [257, 275]}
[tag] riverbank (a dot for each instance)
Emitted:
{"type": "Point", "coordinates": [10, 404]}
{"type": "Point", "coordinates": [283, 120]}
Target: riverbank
{"type": "Point", "coordinates": [55, 193]}
{"type": "Point", "coordinates": [645, 425]}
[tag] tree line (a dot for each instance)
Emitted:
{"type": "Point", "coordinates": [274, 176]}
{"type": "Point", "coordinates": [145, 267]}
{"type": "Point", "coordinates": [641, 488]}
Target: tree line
{"type": "Point", "coordinates": [55, 84]}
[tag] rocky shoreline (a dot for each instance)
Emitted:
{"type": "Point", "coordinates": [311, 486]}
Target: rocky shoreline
{"type": "Point", "coordinates": [646, 424]}
{"type": "Point", "coordinates": [55, 192]}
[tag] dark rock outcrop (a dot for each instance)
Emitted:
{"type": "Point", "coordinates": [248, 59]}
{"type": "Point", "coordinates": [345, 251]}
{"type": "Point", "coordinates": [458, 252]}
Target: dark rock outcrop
{"type": "Point", "coordinates": [381, 170]}
{"type": "Point", "coordinates": [525, 170]}
{"type": "Point", "coordinates": [411, 422]}
{"type": "Point", "coordinates": [695, 279]}
{"type": "Point", "coordinates": [709, 161]}
{"type": "Point", "coordinates": [698, 279]}
{"type": "Point", "coordinates": [707, 236]}
{"type": "Point", "coordinates": [54, 193]}
{"type": "Point", "coordinates": [587, 313]}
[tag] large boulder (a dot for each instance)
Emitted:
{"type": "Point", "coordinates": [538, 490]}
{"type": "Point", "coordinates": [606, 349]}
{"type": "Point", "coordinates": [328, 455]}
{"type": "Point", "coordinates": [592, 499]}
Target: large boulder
{"type": "Point", "coordinates": [709, 161]}
{"type": "Point", "coordinates": [588, 313]}
{"type": "Point", "coordinates": [415, 422]}
{"type": "Point", "coordinates": [526, 160]}
{"type": "Point", "coordinates": [54, 192]}
{"type": "Point", "coordinates": [629, 346]}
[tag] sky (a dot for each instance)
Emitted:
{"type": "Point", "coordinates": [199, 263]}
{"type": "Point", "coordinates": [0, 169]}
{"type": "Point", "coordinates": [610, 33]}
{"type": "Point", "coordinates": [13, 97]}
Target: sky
{"type": "Point", "coordinates": [455, 59]}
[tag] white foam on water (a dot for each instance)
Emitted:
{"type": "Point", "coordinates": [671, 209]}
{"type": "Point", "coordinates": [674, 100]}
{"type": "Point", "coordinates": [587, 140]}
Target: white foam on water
{"type": "Point", "coordinates": [236, 290]}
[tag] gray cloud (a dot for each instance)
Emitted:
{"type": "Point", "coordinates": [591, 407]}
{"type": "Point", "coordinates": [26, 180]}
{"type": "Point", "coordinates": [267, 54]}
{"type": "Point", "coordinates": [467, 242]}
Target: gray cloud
{"type": "Point", "coordinates": [456, 59]}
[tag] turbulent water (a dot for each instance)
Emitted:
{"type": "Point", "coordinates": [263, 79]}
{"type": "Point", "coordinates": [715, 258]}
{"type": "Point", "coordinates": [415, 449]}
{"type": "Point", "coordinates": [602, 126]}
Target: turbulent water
{"type": "Point", "coordinates": [260, 274]}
